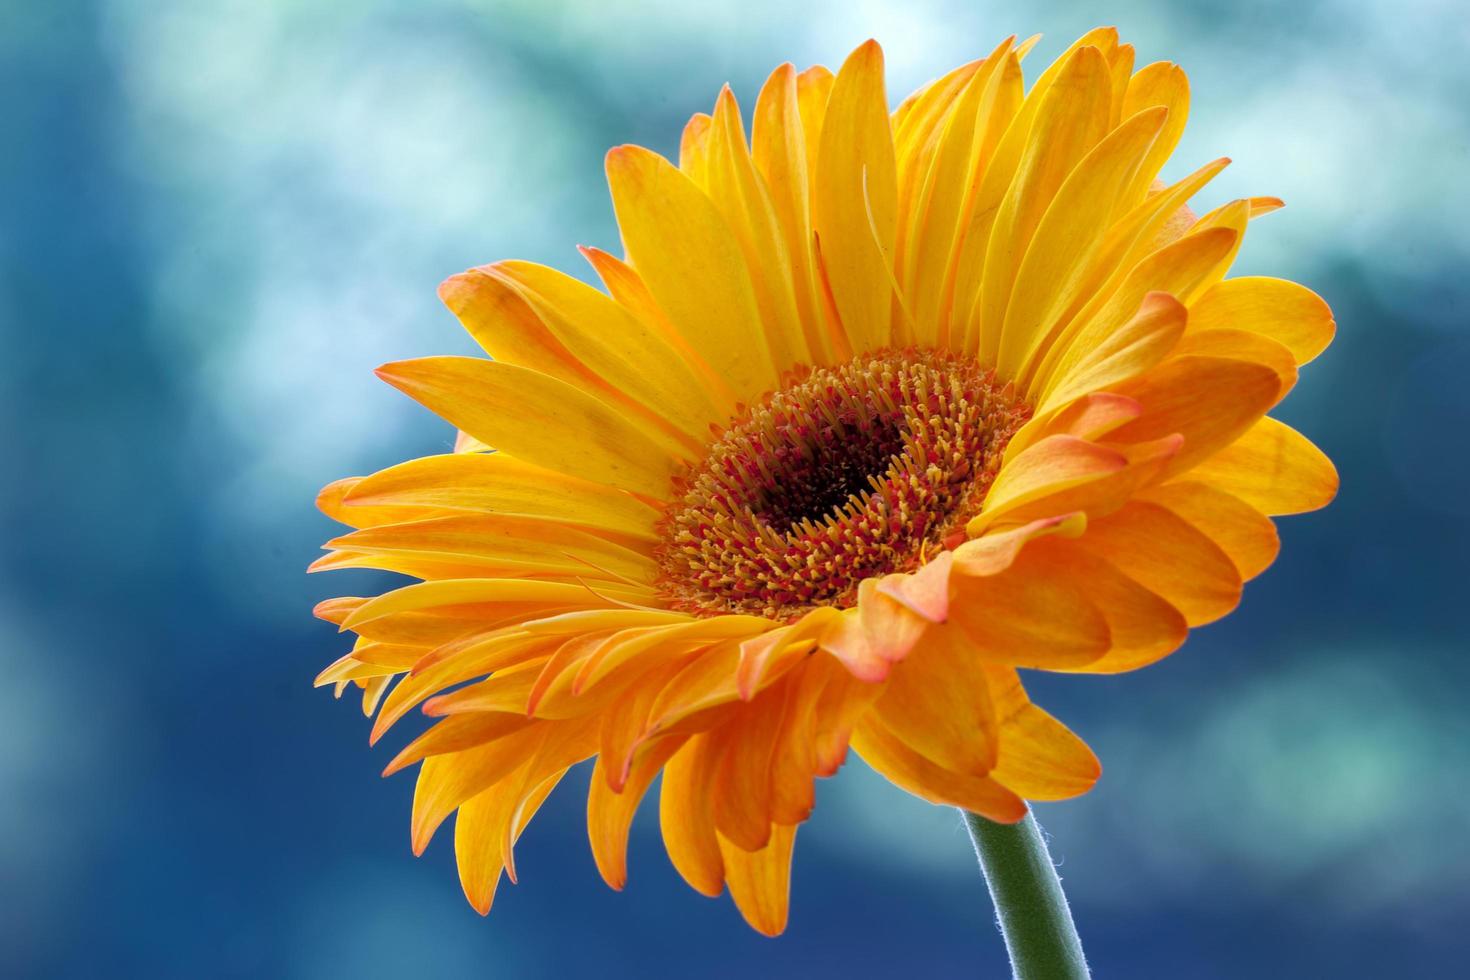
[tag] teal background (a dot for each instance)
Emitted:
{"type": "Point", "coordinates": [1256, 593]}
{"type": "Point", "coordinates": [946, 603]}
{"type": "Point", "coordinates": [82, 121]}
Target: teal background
{"type": "Point", "coordinates": [217, 217]}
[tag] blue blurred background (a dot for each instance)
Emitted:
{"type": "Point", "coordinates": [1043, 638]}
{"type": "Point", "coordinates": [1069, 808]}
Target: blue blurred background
{"type": "Point", "coordinates": [216, 218]}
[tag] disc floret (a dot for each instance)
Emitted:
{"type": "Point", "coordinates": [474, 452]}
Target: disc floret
{"type": "Point", "coordinates": [843, 474]}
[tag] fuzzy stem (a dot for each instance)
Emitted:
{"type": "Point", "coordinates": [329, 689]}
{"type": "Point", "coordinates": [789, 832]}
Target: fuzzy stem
{"type": "Point", "coordinates": [1029, 904]}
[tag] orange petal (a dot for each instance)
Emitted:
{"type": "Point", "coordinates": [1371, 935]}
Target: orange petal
{"type": "Point", "coordinates": [457, 734]}
{"type": "Point", "coordinates": [937, 702]}
{"type": "Point", "coordinates": [877, 633]}
{"type": "Point", "coordinates": [765, 655]}
{"type": "Point", "coordinates": [1142, 627]}
{"type": "Point", "coordinates": [1243, 345]}
{"type": "Point", "coordinates": [486, 827]}
{"type": "Point", "coordinates": [1040, 758]}
{"type": "Point", "coordinates": [686, 817]}
{"type": "Point", "coordinates": [924, 778]}
{"type": "Point", "coordinates": [1211, 401]}
{"type": "Point", "coordinates": [1242, 532]}
{"type": "Point", "coordinates": [993, 553]}
{"type": "Point", "coordinates": [924, 592]}
{"type": "Point", "coordinates": [742, 784]}
{"type": "Point", "coordinates": [1029, 616]}
{"type": "Point", "coordinates": [760, 881]}
{"type": "Point", "coordinates": [1090, 417]}
{"type": "Point", "coordinates": [610, 812]}
{"type": "Point", "coordinates": [1051, 465]}
{"type": "Point", "coordinates": [446, 781]}
{"type": "Point", "coordinates": [1169, 556]}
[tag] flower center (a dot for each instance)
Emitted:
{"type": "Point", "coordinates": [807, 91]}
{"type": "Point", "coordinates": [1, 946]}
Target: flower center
{"type": "Point", "coordinates": [844, 474]}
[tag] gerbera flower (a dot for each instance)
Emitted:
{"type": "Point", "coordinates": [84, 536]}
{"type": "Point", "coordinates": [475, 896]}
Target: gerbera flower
{"type": "Point", "coordinates": [879, 408]}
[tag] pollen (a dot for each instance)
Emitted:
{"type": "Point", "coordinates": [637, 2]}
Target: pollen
{"type": "Point", "coordinates": [843, 474]}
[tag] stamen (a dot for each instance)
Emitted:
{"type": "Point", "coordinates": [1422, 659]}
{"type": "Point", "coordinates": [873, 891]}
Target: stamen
{"type": "Point", "coordinates": [844, 474]}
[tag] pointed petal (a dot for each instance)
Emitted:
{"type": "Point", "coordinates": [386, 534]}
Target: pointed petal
{"type": "Point", "coordinates": [539, 419]}
{"type": "Point", "coordinates": [1273, 468]}
{"type": "Point", "coordinates": [760, 881]}
{"type": "Point", "coordinates": [926, 779]}
{"type": "Point", "coordinates": [856, 178]}
{"type": "Point", "coordinates": [691, 261]}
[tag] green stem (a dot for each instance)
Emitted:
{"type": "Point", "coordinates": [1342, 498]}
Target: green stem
{"type": "Point", "coordinates": [1033, 913]}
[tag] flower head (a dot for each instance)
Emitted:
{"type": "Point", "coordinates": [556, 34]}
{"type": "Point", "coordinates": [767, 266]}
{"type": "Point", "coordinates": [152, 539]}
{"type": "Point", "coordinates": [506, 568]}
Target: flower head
{"type": "Point", "coordinates": [879, 408]}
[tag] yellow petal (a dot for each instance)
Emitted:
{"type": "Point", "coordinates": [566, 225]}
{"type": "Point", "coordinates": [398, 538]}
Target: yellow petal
{"type": "Point", "coordinates": [741, 195]}
{"type": "Point", "coordinates": [1175, 269]}
{"type": "Point", "coordinates": [500, 484]}
{"type": "Point", "coordinates": [813, 91]}
{"type": "Point", "coordinates": [999, 141]}
{"type": "Point", "coordinates": [332, 500]}
{"type": "Point", "coordinates": [1232, 216]}
{"type": "Point", "coordinates": [479, 596]}
{"type": "Point", "coordinates": [856, 196]}
{"type": "Point", "coordinates": [1284, 311]}
{"type": "Point", "coordinates": [524, 546]}
{"type": "Point", "coordinates": [1273, 468]}
{"type": "Point", "coordinates": [940, 213]}
{"type": "Point", "coordinates": [692, 263]}
{"type": "Point", "coordinates": [628, 288]}
{"type": "Point", "coordinates": [694, 149]}
{"type": "Point", "coordinates": [1132, 238]}
{"type": "Point", "coordinates": [634, 359]}
{"type": "Point", "coordinates": [1051, 278]}
{"type": "Point", "coordinates": [1137, 346]}
{"type": "Point", "coordinates": [1159, 84]}
{"type": "Point", "coordinates": [509, 330]}
{"type": "Point", "coordinates": [541, 420]}
{"type": "Point", "coordinates": [1070, 119]}
{"type": "Point", "coordinates": [779, 150]}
